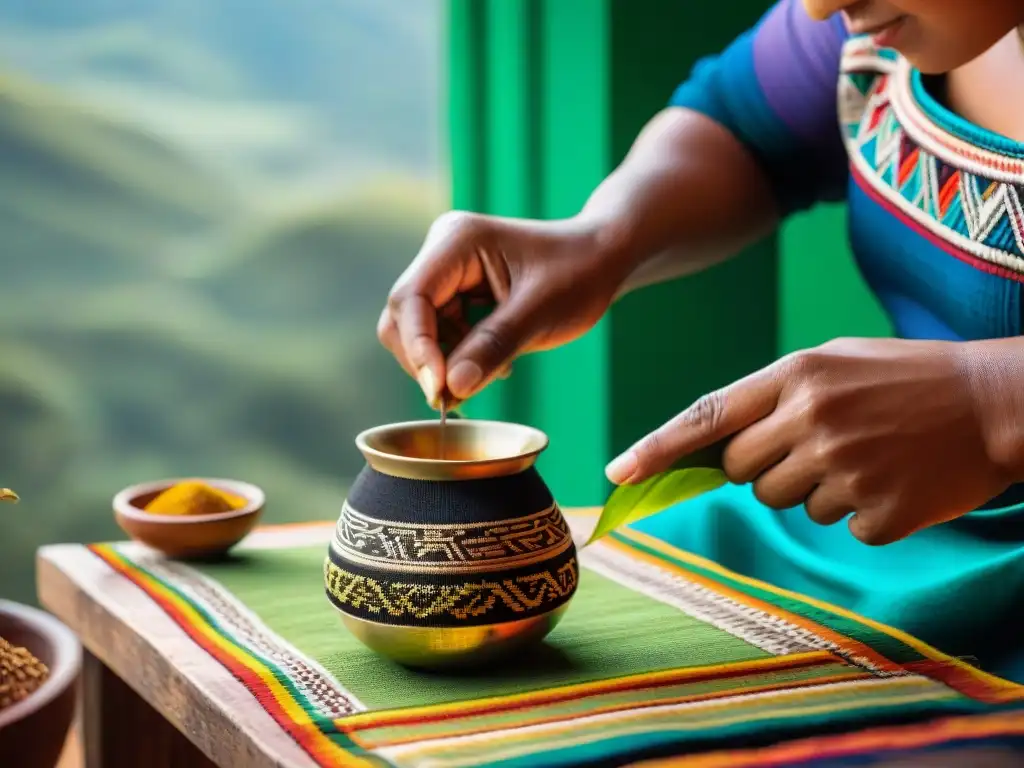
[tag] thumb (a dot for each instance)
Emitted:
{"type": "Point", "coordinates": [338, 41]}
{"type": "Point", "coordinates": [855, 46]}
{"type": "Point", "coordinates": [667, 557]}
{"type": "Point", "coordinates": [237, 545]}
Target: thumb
{"type": "Point", "coordinates": [491, 345]}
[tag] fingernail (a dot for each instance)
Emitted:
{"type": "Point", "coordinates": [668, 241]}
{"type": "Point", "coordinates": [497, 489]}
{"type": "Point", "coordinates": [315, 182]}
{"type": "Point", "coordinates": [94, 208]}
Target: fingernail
{"type": "Point", "coordinates": [622, 468]}
{"type": "Point", "coordinates": [464, 377]}
{"type": "Point", "coordinates": [428, 383]}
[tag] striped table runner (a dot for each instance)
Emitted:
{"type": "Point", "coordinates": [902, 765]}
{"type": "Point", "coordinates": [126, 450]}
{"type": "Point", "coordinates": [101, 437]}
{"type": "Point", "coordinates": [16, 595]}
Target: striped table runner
{"type": "Point", "coordinates": [662, 657]}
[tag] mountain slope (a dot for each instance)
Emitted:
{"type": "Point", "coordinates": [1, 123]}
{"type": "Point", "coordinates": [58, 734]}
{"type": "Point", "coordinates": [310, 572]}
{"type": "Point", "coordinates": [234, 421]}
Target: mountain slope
{"type": "Point", "coordinates": [369, 69]}
{"type": "Point", "coordinates": [88, 198]}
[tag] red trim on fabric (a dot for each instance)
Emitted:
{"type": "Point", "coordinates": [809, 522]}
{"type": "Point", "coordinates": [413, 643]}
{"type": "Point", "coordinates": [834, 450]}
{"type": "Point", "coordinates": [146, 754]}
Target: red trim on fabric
{"type": "Point", "coordinates": [945, 245]}
{"type": "Point", "coordinates": [545, 698]}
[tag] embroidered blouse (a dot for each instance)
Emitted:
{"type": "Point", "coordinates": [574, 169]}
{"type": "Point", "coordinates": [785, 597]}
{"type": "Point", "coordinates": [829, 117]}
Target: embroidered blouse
{"type": "Point", "coordinates": [935, 203]}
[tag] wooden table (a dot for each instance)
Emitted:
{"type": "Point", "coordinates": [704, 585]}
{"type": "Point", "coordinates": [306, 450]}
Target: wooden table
{"type": "Point", "coordinates": [152, 698]}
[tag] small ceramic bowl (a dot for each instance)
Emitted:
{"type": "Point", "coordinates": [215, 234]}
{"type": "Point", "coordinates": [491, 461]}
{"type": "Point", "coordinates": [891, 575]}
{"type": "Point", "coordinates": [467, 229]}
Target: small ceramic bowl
{"type": "Point", "coordinates": [188, 536]}
{"type": "Point", "coordinates": [33, 731]}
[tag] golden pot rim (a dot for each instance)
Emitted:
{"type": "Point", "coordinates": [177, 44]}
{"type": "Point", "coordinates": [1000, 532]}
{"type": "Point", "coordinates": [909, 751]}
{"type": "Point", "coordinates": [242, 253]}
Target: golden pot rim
{"type": "Point", "coordinates": [504, 448]}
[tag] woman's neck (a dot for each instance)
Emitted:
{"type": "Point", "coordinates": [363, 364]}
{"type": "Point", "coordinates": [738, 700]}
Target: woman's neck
{"type": "Point", "coordinates": [989, 91]}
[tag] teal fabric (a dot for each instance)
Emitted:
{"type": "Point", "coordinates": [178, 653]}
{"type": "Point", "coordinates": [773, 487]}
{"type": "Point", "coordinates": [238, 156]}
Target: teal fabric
{"type": "Point", "coordinates": [958, 586]}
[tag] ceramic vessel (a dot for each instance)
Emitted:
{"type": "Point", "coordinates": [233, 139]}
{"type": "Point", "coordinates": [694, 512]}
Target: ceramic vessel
{"type": "Point", "coordinates": [188, 536]}
{"type": "Point", "coordinates": [33, 731]}
{"type": "Point", "coordinates": [450, 550]}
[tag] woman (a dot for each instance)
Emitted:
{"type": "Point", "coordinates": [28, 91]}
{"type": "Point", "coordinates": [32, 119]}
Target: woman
{"type": "Point", "coordinates": [917, 441]}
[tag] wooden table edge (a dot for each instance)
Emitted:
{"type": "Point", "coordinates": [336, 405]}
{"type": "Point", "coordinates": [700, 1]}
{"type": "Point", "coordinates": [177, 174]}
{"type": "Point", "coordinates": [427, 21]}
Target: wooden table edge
{"type": "Point", "coordinates": [139, 649]}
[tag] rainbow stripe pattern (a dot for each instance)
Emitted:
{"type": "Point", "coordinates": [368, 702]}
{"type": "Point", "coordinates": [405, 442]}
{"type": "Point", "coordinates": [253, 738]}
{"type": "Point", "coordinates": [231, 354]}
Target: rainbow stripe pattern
{"type": "Point", "coordinates": [793, 680]}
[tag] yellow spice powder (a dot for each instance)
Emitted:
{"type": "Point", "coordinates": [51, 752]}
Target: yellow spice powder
{"type": "Point", "coordinates": [193, 497]}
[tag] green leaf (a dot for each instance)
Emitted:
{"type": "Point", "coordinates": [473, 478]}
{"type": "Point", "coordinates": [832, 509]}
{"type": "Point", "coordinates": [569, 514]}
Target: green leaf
{"type": "Point", "coordinates": [689, 477]}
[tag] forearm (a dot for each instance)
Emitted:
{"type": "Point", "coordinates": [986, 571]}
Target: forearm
{"type": "Point", "coordinates": [687, 196]}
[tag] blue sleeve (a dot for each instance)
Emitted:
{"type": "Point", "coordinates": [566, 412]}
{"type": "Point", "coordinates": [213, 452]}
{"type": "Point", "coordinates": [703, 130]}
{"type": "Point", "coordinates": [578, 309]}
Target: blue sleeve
{"type": "Point", "coordinates": [775, 89]}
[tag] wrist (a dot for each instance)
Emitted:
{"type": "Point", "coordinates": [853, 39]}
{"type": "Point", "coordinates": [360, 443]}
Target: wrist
{"type": "Point", "coordinates": [994, 372]}
{"type": "Point", "coordinates": [614, 240]}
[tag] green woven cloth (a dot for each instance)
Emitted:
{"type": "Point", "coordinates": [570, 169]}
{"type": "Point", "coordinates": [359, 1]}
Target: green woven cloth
{"type": "Point", "coordinates": [660, 653]}
{"type": "Point", "coordinates": [608, 631]}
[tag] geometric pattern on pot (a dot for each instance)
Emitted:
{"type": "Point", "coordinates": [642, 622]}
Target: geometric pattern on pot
{"type": "Point", "coordinates": [451, 547]}
{"type": "Point", "coordinates": [441, 600]}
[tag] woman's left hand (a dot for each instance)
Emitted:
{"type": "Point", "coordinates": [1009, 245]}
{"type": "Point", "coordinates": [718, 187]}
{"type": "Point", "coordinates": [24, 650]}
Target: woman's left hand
{"type": "Point", "coordinates": [894, 432]}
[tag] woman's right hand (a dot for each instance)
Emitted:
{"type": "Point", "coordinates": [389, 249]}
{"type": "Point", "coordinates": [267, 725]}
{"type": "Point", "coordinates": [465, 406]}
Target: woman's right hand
{"type": "Point", "coordinates": [550, 281]}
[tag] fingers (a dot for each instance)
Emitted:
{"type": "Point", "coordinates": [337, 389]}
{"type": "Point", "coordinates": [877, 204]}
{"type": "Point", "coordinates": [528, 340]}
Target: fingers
{"type": "Point", "coordinates": [412, 339]}
{"type": "Point", "coordinates": [828, 504]}
{"type": "Point", "coordinates": [876, 529]}
{"type": "Point", "coordinates": [418, 354]}
{"type": "Point", "coordinates": [710, 419]}
{"type": "Point", "coordinates": [387, 333]}
{"type": "Point", "coordinates": [444, 267]}
{"type": "Point", "coordinates": [788, 483]}
{"type": "Point", "coordinates": [490, 346]}
{"type": "Point", "coordinates": [783, 474]}
{"type": "Point", "coordinates": [757, 448]}
{"type": "Point", "coordinates": [417, 332]}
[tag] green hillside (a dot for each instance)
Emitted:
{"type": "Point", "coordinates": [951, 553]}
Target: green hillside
{"type": "Point", "coordinates": [367, 72]}
{"type": "Point", "coordinates": [342, 256]}
{"type": "Point", "coordinates": [84, 196]}
{"type": "Point", "coordinates": [158, 320]}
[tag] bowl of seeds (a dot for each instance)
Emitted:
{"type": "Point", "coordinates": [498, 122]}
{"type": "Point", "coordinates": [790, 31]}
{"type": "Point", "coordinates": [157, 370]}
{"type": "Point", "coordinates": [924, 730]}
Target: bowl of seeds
{"type": "Point", "coordinates": [40, 662]}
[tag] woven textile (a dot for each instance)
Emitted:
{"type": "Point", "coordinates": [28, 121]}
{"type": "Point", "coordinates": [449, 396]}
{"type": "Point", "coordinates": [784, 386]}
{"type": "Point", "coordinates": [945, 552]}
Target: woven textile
{"type": "Point", "coordinates": [661, 656]}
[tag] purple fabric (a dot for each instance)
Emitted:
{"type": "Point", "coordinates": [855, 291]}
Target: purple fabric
{"type": "Point", "coordinates": [797, 64]}
{"type": "Point", "coordinates": [775, 88]}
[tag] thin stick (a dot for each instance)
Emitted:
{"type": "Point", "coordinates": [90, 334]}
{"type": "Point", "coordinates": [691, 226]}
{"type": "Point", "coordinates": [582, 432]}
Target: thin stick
{"type": "Point", "coordinates": [444, 422]}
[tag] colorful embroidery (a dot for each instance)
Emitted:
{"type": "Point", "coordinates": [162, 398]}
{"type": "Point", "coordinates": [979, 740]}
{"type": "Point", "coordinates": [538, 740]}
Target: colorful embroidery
{"type": "Point", "coordinates": [970, 197]}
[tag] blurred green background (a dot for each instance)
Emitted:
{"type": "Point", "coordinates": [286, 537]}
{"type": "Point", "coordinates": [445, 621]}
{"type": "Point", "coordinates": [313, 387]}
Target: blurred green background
{"type": "Point", "coordinates": [202, 207]}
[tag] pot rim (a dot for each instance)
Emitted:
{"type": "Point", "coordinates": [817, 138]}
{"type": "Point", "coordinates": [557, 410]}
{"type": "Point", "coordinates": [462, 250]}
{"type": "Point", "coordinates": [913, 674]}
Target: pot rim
{"type": "Point", "coordinates": [420, 468]}
{"type": "Point", "coordinates": [64, 670]}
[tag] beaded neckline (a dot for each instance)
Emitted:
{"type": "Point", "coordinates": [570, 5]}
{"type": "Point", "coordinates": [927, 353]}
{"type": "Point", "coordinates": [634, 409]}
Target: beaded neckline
{"type": "Point", "coordinates": [954, 179]}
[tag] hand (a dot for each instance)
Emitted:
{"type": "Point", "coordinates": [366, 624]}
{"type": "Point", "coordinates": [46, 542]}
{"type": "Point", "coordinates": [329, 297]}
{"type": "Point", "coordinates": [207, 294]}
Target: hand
{"type": "Point", "coordinates": [551, 282]}
{"type": "Point", "coordinates": [894, 432]}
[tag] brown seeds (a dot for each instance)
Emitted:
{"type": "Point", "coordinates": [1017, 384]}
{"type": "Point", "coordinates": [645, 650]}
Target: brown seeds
{"type": "Point", "coordinates": [21, 673]}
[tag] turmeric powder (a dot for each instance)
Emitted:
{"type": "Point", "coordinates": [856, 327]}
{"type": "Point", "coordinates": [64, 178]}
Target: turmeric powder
{"type": "Point", "coordinates": [193, 497]}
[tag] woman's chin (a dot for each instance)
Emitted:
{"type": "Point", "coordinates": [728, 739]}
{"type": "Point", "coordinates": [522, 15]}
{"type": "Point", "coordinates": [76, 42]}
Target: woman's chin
{"type": "Point", "coordinates": [931, 62]}
{"type": "Point", "coordinates": [933, 56]}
